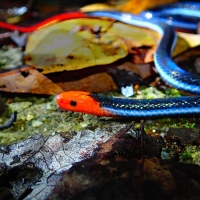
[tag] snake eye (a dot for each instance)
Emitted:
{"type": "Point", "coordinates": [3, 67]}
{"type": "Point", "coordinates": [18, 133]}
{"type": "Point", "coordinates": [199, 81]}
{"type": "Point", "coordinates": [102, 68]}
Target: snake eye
{"type": "Point", "coordinates": [73, 103]}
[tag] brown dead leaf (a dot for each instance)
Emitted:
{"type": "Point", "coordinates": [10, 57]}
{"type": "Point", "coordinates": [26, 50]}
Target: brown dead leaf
{"type": "Point", "coordinates": [28, 80]}
{"type": "Point", "coordinates": [94, 83]}
{"type": "Point", "coordinates": [143, 70]}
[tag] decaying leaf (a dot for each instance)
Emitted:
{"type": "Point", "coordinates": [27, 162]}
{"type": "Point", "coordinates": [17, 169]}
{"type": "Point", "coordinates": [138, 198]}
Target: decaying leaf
{"type": "Point", "coordinates": [27, 80]}
{"type": "Point", "coordinates": [52, 155]}
{"type": "Point", "coordinates": [80, 43]}
{"type": "Point", "coordinates": [93, 83]}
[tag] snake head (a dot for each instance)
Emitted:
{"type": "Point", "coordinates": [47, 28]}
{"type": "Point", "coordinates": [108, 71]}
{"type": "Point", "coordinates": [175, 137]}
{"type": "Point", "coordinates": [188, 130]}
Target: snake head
{"type": "Point", "coordinates": [79, 101]}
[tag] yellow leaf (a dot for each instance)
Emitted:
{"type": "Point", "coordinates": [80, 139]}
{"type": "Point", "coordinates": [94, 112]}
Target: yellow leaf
{"type": "Point", "coordinates": [73, 44]}
{"type": "Point", "coordinates": [133, 35]}
{"type": "Point", "coordinates": [192, 39]}
{"type": "Point", "coordinates": [80, 43]}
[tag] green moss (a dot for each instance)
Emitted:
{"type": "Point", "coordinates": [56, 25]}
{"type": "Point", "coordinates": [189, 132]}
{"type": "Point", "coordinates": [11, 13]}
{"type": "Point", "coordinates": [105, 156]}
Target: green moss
{"type": "Point", "coordinates": [163, 125]}
{"type": "Point", "coordinates": [10, 57]}
{"type": "Point", "coordinates": [172, 92]}
{"type": "Point", "coordinates": [190, 154]}
{"type": "Point", "coordinates": [186, 156]}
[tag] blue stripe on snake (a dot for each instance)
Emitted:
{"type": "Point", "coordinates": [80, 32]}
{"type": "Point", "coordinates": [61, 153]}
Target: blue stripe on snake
{"type": "Point", "coordinates": [179, 15]}
{"type": "Point", "coordinates": [122, 107]}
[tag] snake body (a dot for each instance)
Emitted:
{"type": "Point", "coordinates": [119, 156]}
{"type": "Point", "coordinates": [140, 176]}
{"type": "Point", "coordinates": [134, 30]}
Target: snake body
{"type": "Point", "coordinates": [149, 107]}
{"type": "Point", "coordinates": [179, 15]}
{"type": "Point", "coordinates": [170, 72]}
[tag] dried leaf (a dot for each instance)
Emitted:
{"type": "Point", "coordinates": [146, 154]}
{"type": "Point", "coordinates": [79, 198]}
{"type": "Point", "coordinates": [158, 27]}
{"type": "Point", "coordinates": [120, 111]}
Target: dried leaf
{"type": "Point", "coordinates": [27, 80]}
{"type": "Point", "coordinates": [74, 44]}
{"type": "Point", "coordinates": [52, 155]}
{"type": "Point", "coordinates": [95, 83]}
